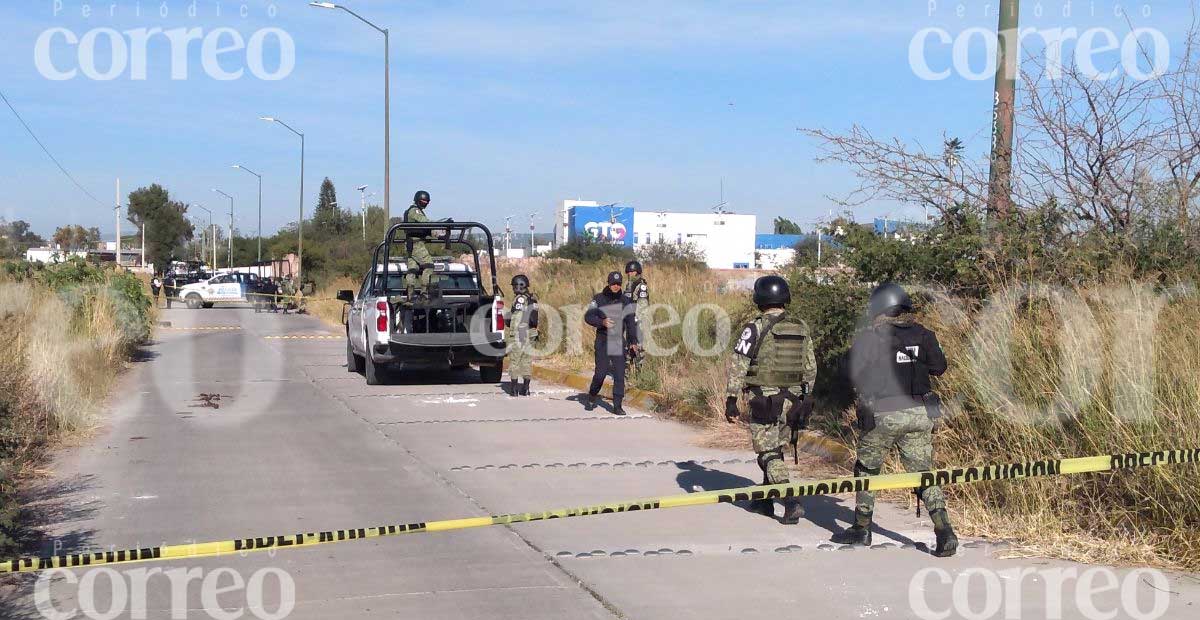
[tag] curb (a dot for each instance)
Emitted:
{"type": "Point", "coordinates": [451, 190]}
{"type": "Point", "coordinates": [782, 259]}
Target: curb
{"type": "Point", "coordinates": [810, 442]}
{"type": "Point", "coordinates": [641, 398]}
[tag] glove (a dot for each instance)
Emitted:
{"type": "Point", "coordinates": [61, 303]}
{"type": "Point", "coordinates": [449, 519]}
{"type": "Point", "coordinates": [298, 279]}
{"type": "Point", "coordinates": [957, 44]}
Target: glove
{"type": "Point", "coordinates": [731, 411]}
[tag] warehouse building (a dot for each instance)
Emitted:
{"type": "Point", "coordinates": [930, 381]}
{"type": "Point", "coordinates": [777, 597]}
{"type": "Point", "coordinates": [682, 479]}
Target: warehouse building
{"type": "Point", "coordinates": [725, 239]}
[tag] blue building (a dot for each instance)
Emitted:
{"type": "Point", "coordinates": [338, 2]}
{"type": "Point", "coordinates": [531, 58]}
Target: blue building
{"type": "Point", "coordinates": [607, 223]}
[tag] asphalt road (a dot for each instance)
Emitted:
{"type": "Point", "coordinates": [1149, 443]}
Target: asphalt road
{"type": "Point", "coordinates": [298, 444]}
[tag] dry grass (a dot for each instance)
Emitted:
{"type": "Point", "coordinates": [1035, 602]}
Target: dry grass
{"type": "Point", "coordinates": [60, 354]}
{"type": "Point", "coordinates": [1073, 373]}
{"type": "Point", "coordinates": [61, 361]}
{"type": "Point", "coordinates": [324, 304]}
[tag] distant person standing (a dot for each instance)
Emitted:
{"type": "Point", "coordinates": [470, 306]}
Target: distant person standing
{"type": "Point", "coordinates": [420, 261]}
{"type": "Point", "coordinates": [519, 333]}
{"type": "Point", "coordinates": [613, 314]}
{"type": "Point", "coordinates": [287, 293]}
{"type": "Point", "coordinates": [155, 288]}
{"type": "Point", "coordinates": [639, 291]}
{"type": "Point", "coordinates": [169, 287]}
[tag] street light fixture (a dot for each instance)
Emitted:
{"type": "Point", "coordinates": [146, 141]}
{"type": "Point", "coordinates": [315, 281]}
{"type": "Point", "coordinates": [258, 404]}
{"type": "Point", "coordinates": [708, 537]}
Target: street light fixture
{"type": "Point", "coordinates": [300, 222]}
{"type": "Point", "coordinates": [241, 167]}
{"type": "Point", "coordinates": [213, 232]}
{"type": "Point", "coordinates": [362, 194]}
{"type": "Point", "coordinates": [230, 224]}
{"type": "Point", "coordinates": [387, 110]}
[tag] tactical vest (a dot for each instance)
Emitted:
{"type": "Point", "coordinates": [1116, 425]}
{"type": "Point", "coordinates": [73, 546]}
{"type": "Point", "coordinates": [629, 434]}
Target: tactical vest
{"type": "Point", "coordinates": [778, 358]}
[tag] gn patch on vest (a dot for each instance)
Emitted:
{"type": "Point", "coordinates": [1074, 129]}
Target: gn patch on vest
{"type": "Point", "coordinates": [745, 343]}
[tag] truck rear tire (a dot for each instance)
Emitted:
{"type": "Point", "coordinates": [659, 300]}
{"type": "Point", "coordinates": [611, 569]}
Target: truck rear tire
{"type": "Point", "coordinates": [491, 374]}
{"type": "Point", "coordinates": [372, 372]}
{"type": "Point", "coordinates": [194, 302]}
{"type": "Point", "coordinates": [354, 363]}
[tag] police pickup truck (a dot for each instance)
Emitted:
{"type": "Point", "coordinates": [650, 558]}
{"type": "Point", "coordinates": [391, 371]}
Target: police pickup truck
{"type": "Point", "coordinates": [458, 324]}
{"type": "Point", "coordinates": [224, 288]}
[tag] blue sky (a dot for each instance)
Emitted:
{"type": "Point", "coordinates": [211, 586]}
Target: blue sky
{"type": "Point", "coordinates": [498, 107]}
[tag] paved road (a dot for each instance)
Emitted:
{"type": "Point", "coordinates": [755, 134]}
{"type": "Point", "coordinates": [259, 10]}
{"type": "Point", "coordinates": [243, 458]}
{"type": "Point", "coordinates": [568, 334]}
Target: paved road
{"type": "Point", "coordinates": [298, 444]}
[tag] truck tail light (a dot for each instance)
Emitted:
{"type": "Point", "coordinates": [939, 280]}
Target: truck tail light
{"type": "Point", "coordinates": [498, 313]}
{"type": "Point", "coordinates": [381, 319]}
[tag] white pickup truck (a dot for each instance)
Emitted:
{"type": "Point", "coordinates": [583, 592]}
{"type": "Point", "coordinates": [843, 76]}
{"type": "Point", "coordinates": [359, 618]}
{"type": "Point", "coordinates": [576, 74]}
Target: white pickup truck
{"type": "Point", "coordinates": [461, 325]}
{"type": "Point", "coordinates": [224, 288]}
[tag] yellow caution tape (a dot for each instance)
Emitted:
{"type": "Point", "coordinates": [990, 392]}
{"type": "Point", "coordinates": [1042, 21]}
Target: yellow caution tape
{"type": "Point", "coordinates": [940, 477]}
{"type": "Point", "coordinates": [249, 298]}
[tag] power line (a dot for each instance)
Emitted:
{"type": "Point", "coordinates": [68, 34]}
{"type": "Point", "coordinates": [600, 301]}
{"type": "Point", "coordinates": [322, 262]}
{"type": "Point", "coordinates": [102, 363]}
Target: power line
{"type": "Point", "coordinates": [47, 151]}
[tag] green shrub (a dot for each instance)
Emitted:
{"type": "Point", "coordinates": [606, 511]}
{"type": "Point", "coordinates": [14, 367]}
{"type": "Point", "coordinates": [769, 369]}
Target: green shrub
{"type": "Point", "coordinates": [587, 251]}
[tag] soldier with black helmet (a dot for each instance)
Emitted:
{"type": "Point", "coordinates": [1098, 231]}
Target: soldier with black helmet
{"type": "Point", "coordinates": [638, 290]}
{"type": "Point", "coordinates": [891, 362]}
{"type": "Point", "coordinates": [519, 333]}
{"type": "Point", "coordinates": [774, 364]}
{"type": "Point", "coordinates": [612, 313]}
{"type": "Point", "coordinates": [420, 261]}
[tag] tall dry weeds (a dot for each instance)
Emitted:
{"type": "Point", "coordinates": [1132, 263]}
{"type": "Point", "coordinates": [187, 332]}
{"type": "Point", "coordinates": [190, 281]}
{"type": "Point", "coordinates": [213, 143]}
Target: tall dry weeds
{"type": "Point", "coordinates": [60, 354]}
{"type": "Point", "coordinates": [1046, 373]}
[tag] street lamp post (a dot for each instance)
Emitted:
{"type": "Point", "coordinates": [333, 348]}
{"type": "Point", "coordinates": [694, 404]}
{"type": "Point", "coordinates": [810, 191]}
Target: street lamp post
{"type": "Point", "coordinates": [531, 216]}
{"type": "Point", "coordinates": [241, 167]}
{"type": "Point", "coordinates": [362, 194]}
{"type": "Point", "coordinates": [300, 222]}
{"type": "Point", "coordinates": [387, 111]}
{"type": "Point", "coordinates": [230, 224]}
{"type": "Point", "coordinates": [213, 232]}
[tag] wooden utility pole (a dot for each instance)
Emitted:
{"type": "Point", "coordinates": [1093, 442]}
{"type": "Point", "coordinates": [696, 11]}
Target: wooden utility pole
{"type": "Point", "coordinates": [1004, 99]}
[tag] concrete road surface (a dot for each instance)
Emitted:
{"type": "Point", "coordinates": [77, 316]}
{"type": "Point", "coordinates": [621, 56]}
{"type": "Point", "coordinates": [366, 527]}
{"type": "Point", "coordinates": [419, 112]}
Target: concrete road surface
{"type": "Point", "coordinates": [235, 424]}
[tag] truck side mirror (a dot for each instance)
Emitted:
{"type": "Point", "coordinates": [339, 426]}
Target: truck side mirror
{"type": "Point", "coordinates": [346, 296]}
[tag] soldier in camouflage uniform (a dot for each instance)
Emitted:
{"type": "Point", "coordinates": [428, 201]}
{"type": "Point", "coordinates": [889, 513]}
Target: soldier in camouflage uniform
{"type": "Point", "coordinates": [637, 290]}
{"type": "Point", "coordinates": [773, 362]}
{"type": "Point", "coordinates": [420, 261]}
{"type": "Point", "coordinates": [891, 363]}
{"type": "Point", "coordinates": [519, 333]}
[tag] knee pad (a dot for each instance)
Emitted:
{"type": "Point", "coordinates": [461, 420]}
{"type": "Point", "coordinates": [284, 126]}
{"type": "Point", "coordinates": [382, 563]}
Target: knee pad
{"type": "Point", "coordinates": [765, 458]}
{"type": "Point", "coordinates": [861, 470]}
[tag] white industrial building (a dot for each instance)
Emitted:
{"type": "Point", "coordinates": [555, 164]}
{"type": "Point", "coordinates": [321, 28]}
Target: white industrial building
{"type": "Point", "coordinates": [726, 239]}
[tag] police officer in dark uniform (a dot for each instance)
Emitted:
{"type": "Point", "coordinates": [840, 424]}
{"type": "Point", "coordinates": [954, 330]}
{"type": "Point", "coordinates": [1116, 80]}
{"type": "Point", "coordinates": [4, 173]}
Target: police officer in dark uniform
{"type": "Point", "coordinates": [891, 362]}
{"type": "Point", "coordinates": [613, 314]}
{"type": "Point", "coordinates": [170, 287]}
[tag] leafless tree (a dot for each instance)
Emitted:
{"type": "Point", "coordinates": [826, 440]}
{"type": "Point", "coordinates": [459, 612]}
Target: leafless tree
{"type": "Point", "coordinates": [1106, 152]}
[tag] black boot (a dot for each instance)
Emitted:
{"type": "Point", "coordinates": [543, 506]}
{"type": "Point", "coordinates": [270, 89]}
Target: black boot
{"type": "Point", "coordinates": [947, 541]}
{"type": "Point", "coordinates": [617, 409]}
{"type": "Point", "coordinates": [525, 387]}
{"type": "Point", "coordinates": [857, 534]}
{"type": "Point", "coordinates": [590, 403]}
{"type": "Point", "coordinates": [792, 511]}
{"type": "Point", "coordinates": [513, 390]}
{"type": "Point", "coordinates": [764, 507]}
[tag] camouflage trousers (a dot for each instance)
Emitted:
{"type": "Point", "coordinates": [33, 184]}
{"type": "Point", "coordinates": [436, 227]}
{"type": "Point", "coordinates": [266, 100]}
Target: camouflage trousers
{"type": "Point", "coordinates": [520, 355]}
{"type": "Point", "coordinates": [911, 431]}
{"type": "Point", "coordinates": [769, 440]}
{"type": "Point", "coordinates": [420, 256]}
